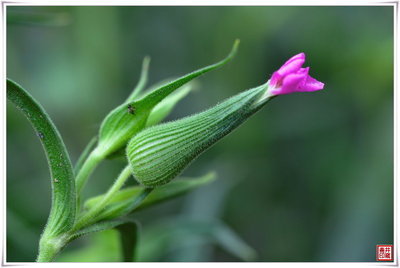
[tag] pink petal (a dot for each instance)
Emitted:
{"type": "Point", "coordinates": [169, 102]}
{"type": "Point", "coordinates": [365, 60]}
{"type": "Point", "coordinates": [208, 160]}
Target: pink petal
{"type": "Point", "coordinates": [311, 85]}
{"type": "Point", "coordinates": [290, 83]}
{"type": "Point", "coordinates": [296, 57]}
{"type": "Point", "coordinates": [275, 78]}
{"type": "Point", "coordinates": [303, 71]}
{"type": "Point", "coordinates": [308, 84]}
{"type": "Point", "coordinates": [292, 65]}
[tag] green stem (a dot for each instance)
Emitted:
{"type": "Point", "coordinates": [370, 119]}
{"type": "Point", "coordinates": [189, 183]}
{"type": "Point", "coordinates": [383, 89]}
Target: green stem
{"type": "Point", "coordinates": [50, 247]}
{"type": "Point", "coordinates": [94, 211]}
{"type": "Point", "coordinates": [87, 168]}
{"type": "Point", "coordinates": [89, 147]}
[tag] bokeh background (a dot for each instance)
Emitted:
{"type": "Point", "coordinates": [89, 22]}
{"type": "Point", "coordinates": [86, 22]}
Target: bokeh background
{"type": "Point", "coordinates": [308, 178]}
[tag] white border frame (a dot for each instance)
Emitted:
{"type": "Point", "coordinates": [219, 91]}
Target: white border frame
{"type": "Point", "coordinates": [394, 3]}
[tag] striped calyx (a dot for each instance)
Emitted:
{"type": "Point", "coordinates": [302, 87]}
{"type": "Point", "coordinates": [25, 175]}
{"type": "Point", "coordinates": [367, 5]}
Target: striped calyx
{"type": "Point", "coordinates": [158, 154]}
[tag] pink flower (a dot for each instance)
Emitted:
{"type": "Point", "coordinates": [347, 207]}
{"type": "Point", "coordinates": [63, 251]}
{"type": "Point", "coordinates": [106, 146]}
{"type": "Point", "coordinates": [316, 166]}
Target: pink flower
{"type": "Point", "coordinates": [292, 78]}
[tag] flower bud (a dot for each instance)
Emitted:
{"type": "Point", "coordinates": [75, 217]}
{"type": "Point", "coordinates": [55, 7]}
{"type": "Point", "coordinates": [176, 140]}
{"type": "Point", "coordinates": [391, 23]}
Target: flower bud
{"type": "Point", "coordinates": [160, 153]}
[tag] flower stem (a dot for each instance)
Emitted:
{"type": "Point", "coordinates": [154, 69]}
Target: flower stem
{"type": "Point", "coordinates": [87, 168]}
{"type": "Point", "coordinates": [93, 212]}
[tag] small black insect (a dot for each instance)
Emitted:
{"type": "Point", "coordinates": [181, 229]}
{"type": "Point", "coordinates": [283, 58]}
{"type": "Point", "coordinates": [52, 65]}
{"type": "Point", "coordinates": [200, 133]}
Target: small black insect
{"type": "Point", "coordinates": [131, 109]}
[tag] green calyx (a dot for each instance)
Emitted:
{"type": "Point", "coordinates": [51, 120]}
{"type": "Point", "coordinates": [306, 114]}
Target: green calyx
{"type": "Point", "coordinates": [158, 154]}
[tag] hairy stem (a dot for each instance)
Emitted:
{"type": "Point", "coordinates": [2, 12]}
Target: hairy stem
{"type": "Point", "coordinates": [89, 147]}
{"type": "Point", "coordinates": [86, 170]}
{"type": "Point", "coordinates": [93, 212]}
{"type": "Point", "coordinates": [50, 247]}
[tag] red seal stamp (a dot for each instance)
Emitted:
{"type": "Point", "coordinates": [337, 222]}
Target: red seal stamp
{"type": "Point", "coordinates": [384, 252]}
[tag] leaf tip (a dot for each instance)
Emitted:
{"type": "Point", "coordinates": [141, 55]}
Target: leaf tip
{"type": "Point", "coordinates": [210, 176]}
{"type": "Point", "coordinates": [236, 45]}
{"type": "Point", "coordinates": [234, 50]}
{"type": "Point", "coordinates": [146, 62]}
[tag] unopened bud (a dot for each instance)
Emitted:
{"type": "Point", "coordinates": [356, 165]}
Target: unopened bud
{"type": "Point", "coordinates": [158, 154]}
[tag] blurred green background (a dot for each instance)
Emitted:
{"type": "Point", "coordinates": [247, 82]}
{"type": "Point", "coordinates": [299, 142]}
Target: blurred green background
{"type": "Point", "coordinates": [309, 178]}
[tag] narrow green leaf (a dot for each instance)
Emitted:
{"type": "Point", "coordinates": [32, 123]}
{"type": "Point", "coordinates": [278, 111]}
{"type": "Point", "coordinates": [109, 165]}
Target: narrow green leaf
{"type": "Point", "coordinates": [126, 196]}
{"type": "Point", "coordinates": [165, 107]}
{"type": "Point", "coordinates": [227, 239]}
{"type": "Point", "coordinates": [155, 86]}
{"type": "Point", "coordinates": [97, 227]}
{"type": "Point", "coordinates": [122, 208]}
{"type": "Point", "coordinates": [158, 95]}
{"type": "Point", "coordinates": [176, 189]}
{"type": "Point", "coordinates": [130, 117]}
{"type": "Point", "coordinates": [63, 207]}
{"type": "Point", "coordinates": [142, 81]}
